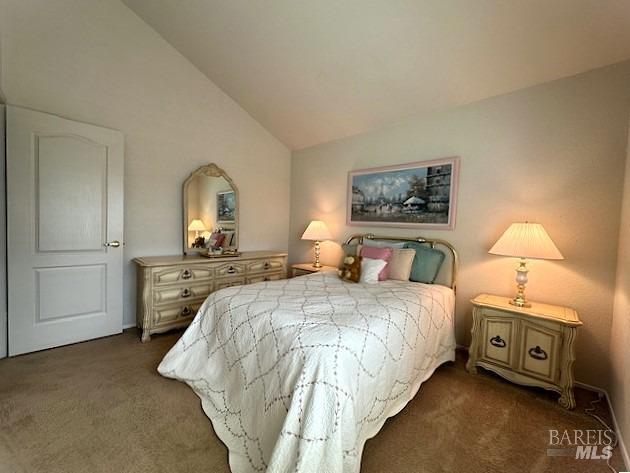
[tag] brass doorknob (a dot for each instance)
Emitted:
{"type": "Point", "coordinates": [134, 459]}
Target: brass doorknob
{"type": "Point", "coordinates": [113, 244]}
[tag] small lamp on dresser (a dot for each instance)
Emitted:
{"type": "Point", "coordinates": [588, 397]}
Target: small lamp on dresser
{"type": "Point", "coordinates": [525, 240]}
{"type": "Point", "coordinates": [317, 231]}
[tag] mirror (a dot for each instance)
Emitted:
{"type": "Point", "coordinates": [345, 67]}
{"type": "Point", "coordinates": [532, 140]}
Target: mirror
{"type": "Point", "coordinates": [210, 211]}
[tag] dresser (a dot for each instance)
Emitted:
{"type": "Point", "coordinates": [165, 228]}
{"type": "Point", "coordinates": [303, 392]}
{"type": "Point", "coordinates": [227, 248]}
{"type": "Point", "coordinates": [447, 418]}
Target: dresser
{"type": "Point", "coordinates": [172, 288]}
{"type": "Point", "coordinates": [531, 346]}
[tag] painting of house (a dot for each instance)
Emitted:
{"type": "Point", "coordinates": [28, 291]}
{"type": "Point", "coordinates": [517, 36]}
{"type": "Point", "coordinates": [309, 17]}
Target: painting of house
{"type": "Point", "coordinates": [419, 194]}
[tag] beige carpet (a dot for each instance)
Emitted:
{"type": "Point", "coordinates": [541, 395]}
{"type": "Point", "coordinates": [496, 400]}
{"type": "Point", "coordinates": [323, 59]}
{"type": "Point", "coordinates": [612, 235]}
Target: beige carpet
{"type": "Point", "coordinates": [100, 406]}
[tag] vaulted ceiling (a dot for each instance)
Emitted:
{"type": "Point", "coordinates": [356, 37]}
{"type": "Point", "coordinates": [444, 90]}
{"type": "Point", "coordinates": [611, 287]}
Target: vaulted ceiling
{"type": "Point", "coordinates": [312, 71]}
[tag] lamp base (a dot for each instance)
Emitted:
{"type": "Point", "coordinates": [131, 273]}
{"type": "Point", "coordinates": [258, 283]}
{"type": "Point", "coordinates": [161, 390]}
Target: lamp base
{"type": "Point", "coordinates": [317, 264]}
{"type": "Point", "coordinates": [521, 280]}
{"type": "Point", "coordinates": [520, 303]}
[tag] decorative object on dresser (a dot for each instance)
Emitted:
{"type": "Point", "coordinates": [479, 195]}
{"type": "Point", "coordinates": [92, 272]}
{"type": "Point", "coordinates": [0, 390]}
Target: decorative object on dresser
{"type": "Point", "coordinates": [300, 269]}
{"type": "Point", "coordinates": [211, 203]}
{"type": "Point", "coordinates": [172, 288]}
{"type": "Point", "coordinates": [526, 345]}
{"type": "Point", "coordinates": [317, 231]}
{"type": "Point", "coordinates": [525, 240]}
{"type": "Point", "coordinates": [417, 195]}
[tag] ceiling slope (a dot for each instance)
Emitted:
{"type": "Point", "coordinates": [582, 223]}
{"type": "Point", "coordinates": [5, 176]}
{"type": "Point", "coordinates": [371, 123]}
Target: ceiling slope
{"type": "Point", "coordinates": [315, 71]}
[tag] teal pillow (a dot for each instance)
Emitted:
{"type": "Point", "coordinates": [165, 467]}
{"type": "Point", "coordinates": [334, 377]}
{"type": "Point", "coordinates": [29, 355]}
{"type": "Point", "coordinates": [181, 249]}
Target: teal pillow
{"type": "Point", "coordinates": [426, 264]}
{"type": "Point", "coordinates": [383, 243]}
{"type": "Point", "coordinates": [350, 250]}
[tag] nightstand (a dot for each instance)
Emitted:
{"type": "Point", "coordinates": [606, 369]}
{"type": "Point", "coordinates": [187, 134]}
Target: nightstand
{"type": "Point", "coordinates": [300, 269]}
{"type": "Point", "coordinates": [531, 346]}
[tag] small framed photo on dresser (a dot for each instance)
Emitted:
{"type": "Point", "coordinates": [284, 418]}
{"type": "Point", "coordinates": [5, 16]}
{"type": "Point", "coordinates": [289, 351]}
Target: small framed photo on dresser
{"type": "Point", "coordinates": [414, 195]}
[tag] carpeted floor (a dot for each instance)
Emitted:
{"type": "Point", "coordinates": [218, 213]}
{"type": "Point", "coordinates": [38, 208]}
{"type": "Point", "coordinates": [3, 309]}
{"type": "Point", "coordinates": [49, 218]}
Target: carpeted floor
{"type": "Point", "coordinates": [100, 406]}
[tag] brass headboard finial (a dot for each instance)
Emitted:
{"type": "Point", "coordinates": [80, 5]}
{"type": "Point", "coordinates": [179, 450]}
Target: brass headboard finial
{"type": "Point", "coordinates": [432, 242]}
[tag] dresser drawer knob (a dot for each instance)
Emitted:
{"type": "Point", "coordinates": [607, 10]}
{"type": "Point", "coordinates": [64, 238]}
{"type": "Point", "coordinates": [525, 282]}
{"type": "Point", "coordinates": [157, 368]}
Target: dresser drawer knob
{"type": "Point", "coordinates": [231, 270]}
{"type": "Point", "coordinates": [537, 353]}
{"type": "Point", "coordinates": [185, 293]}
{"type": "Point", "coordinates": [267, 265]}
{"type": "Point", "coordinates": [497, 341]}
{"type": "Point", "coordinates": [186, 311]}
{"type": "Point", "coordinates": [186, 274]}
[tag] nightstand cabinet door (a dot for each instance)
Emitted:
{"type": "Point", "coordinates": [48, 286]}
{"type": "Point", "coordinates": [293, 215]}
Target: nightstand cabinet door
{"type": "Point", "coordinates": [498, 336]}
{"type": "Point", "coordinates": [539, 351]}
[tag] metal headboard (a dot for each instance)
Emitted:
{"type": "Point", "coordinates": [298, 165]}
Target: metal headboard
{"type": "Point", "coordinates": [432, 242]}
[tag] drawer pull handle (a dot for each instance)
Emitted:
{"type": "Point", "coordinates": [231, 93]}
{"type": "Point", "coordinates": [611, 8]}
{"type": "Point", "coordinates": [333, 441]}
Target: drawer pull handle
{"type": "Point", "coordinates": [537, 353]}
{"type": "Point", "coordinates": [266, 279]}
{"type": "Point", "coordinates": [497, 341]}
{"type": "Point", "coordinates": [186, 293]}
{"type": "Point", "coordinates": [186, 274]}
{"type": "Point", "coordinates": [267, 265]}
{"type": "Point", "coordinates": [186, 311]}
{"type": "Point", "coordinates": [231, 270]}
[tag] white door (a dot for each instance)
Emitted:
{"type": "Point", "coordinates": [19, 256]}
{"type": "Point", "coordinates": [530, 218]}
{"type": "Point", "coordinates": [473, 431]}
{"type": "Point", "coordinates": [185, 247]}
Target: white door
{"type": "Point", "coordinates": [64, 220]}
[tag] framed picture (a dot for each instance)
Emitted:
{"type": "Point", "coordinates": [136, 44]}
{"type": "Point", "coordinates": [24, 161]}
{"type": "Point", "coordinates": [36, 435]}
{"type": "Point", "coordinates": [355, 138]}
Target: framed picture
{"type": "Point", "coordinates": [414, 195]}
{"type": "Point", "coordinates": [226, 207]}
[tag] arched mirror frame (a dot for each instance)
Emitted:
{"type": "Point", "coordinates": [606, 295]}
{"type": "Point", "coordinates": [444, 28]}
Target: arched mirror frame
{"type": "Point", "coordinates": [210, 170]}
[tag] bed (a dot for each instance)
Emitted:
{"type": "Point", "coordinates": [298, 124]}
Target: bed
{"type": "Point", "coordinates": [297, 374]}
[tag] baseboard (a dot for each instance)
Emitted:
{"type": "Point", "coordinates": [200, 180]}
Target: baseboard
{"type": "Point", "coordinates": [126, 326]}
{"type": "Point", "coordinates": [620, 442]}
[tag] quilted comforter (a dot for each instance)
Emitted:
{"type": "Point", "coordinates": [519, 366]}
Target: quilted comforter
{"type": "Point", "coordinates": [297, 374]}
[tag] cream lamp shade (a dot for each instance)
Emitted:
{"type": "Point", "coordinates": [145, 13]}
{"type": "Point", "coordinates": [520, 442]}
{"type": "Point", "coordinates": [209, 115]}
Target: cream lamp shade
{"type": "Point", "coordinates": [196, 226]}
{"type": "Point", "coordinates": [317, 231]}
{"type": "Point", "coordinates": [525, 240]}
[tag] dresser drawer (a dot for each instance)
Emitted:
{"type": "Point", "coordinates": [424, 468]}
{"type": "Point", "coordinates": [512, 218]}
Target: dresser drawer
{"type": "Point", "coordinates": [265, 265]}
{"type": "Point", "coordinates": [264, 277]}
{"type": "Point", "coordinates": [539, 351]}
{"type": "Point", "coordinates": [165, 295]}
{"type": "Point", "coordinates": [229, 269]}
{"type": "Point", "coordinates": [176, 313]}
{"type": "Point", "coordinates": [223, 283]}
{"type": "Point", "coordinates": [498, 334]}
{"type": "Point", "coordinates": [179, 274]}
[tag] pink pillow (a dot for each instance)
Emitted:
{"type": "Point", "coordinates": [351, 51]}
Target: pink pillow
{"type": "Point", "coordinates": [378, 253]}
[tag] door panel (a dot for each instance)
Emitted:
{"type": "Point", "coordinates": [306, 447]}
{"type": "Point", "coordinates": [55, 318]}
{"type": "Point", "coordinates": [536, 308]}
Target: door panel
{"type": "Point", "coordinates": [71, 180]}
{"type": "Point", "coordinates": [64, 202]}
{"type": "Point", "coordinates": [539, 351]}
{"type": "Point", "coordinates": [498, 335]}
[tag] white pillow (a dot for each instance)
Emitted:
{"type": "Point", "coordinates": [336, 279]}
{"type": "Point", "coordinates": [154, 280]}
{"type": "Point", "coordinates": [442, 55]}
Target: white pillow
{"type": "Point", "coordinates": [370, 268]}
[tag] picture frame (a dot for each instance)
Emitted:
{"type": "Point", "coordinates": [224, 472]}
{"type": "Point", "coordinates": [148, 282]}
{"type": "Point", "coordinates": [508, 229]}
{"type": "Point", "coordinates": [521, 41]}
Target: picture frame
{"type": "Point", "coordinates": [421, 194]}
{"type": "Point", "coordinates": [226, 207]}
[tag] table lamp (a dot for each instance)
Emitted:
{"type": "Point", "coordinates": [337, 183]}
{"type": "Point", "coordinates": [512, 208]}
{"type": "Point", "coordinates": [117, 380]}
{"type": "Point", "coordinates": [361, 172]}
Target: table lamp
{"type": "Point", "coordinates": [196, 226]}
{"type": "Point", "coordinates": [317, 231]}
{"type": "Point", "coordinates": [525, 240]}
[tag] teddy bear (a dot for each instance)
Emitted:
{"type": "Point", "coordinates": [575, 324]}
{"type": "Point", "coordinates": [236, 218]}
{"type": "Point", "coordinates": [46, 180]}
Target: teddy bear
{"type": "Point", "coordinates": [351, 269]}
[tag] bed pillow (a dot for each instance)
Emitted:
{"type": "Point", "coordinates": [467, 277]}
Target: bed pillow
{"type": "Point", "coordinates": [426, 264]}
{"type": "Point", "coordinates": [371, 269]}
{"type": "Point", "coordinates": [383, 243]}
{"type": "Point", "coordinates": [384, 254]}
{"type": "Point", "coordinates": [351, 269]}
{"type": "Point", "coordinates": [400, 264]}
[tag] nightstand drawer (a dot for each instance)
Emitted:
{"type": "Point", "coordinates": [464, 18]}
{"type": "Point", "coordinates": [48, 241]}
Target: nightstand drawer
{"type": "Point", "coordinates": [498, 340]}
{"type": "Point", "coordinates": [539, 351]}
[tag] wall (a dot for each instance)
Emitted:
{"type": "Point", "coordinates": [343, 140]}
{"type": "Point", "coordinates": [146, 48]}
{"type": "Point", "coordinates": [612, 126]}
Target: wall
{"type": "Point", "coordinates": [95, 61]}
{"type": "Point", "coordinates": [3, 242]}
{"type": "Point", "coordinates": [553, 154]}
{"type": "Point", "coordinates": [620, 333]}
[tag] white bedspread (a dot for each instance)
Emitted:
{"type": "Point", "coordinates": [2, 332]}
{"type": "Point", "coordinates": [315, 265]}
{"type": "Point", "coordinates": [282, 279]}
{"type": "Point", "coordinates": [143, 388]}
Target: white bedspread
{"type": "Point", "coordinates": [297, 374]}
